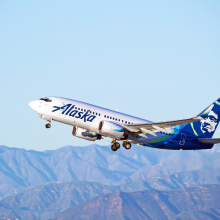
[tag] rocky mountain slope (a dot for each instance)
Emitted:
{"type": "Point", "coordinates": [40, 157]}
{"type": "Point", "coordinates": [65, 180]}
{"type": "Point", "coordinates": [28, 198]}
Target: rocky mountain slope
{"type": "Point", "coordinates": [151, 204]}
{"type": "Point", "coordinates": [44, 202]}
{"type": "Point", "coordinates": [174, 181]}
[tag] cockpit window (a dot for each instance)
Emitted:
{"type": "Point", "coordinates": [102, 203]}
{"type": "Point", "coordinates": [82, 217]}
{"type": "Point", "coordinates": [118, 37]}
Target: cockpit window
{"type": "Point", "coordinates": [46, 99]}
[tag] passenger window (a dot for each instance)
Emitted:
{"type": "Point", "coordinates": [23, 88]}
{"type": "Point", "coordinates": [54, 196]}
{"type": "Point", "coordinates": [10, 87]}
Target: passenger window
{"type": "Point", "coordinates": [75, 107]}
{"type": "Point", "coordinates": [122, 120]}
{"type": "Point", "coordinates": [110, 117]}
{"type": "Point", "coordinates": [116, 119]}
{"type": "Point", "coordinates": [93, 113]}
{"type": "Point", "coordinates": [96, 113]}
{"type": "Point", "coordinates": [128, 122]}
{"type": "Point", "coordinates": [113, 118]}
{"type": "Point", "coordinates": [105, 116]}
{"type": "Point", "coordinates": [78, 108]}
{"type": "Point", "coordinates": [84, 110]}
{"type": "Point", "coordinates": [99, 114]}
{"type": "Point", "coordinates": [81, 109]}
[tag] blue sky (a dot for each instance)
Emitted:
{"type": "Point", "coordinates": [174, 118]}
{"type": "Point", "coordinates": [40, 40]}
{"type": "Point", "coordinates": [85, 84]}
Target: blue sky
{"type": "Point", "coordinates": [157, 60]}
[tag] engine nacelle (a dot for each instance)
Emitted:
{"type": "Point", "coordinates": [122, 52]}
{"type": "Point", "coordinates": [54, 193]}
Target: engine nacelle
{"type": "Point", "coordinates": [112, 129]}
{"type": "Point", "coordinates": [85, 134]}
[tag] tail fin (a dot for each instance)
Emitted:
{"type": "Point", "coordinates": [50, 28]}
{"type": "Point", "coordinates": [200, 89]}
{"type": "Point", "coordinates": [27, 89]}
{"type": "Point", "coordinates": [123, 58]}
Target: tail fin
{"type": "Point", "coordinates": [206, 127]}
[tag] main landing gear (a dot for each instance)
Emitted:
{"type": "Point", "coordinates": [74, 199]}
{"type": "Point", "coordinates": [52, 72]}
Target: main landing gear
{"type": "Point", "coordinates": [115, 145]}
{"type": "Point", "coordinates": [126, 145]}
{"type": "Point", "coordinates": [48, 125]}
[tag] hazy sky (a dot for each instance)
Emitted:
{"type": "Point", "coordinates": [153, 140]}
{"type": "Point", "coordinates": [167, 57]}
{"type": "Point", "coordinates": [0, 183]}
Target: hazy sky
{"type": "Point", "coordinates": [158, 60]}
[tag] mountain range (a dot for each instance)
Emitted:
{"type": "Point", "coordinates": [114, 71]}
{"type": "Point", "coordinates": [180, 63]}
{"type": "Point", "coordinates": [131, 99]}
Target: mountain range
{"type": "Point", "coordinates": [22, 169]}
{"type": "Point", "coordinates": [46, 201]}
{"type": "Point", "coordinates": [41, 185]}
{"type": "Point", "coordinates": [189, 203]}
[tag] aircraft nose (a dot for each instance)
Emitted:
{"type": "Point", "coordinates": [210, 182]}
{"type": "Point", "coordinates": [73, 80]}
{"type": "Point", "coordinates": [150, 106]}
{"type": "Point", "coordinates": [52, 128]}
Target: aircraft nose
{"type": "Point", "coordinates": [33, 105]}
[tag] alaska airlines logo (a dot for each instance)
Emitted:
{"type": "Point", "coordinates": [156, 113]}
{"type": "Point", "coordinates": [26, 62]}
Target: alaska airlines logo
{"type": "Point", "coordinates": [68, 110]}
{"type": "Point", "coordinates": [208, 125]}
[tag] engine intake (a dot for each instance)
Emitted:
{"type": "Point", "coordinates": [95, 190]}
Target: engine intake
{"type": "Point", "coordinates": [112, 129]}
{"type": "Point", "coordinates": [85, 134]}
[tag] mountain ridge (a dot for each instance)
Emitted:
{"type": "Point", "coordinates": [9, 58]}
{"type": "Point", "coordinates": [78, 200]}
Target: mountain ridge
{"type": "Point", "coordinates": [21, 169]}
{"type": "Point", "coordinates": [44, 202]}
{"type": "Point", "coordinates": [149, 204]}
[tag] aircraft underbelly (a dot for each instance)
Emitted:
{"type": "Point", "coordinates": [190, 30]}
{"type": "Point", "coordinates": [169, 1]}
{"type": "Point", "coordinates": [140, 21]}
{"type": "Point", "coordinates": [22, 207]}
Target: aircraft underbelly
{"type": "Point", "coordinates": [175, 145]}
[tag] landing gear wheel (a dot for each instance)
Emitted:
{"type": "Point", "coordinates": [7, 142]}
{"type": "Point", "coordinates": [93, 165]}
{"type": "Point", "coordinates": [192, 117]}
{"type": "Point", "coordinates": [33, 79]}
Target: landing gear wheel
{"type": "Point", "coordinates": [114, 148]}
{"type": "Point", "coordinates": [48, 125]}
{"type": "Point", "coordinates": [126, 145]}
{"type": "Point", "coordinates": [117, 145]}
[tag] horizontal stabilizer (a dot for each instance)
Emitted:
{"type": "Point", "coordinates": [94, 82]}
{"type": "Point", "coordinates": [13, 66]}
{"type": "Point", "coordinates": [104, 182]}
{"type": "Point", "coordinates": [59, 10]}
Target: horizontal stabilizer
{"type": "Point", "coordinates": [210, 140]}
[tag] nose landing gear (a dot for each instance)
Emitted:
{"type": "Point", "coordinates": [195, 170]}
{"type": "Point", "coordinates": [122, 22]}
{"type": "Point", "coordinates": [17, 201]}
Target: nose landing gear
{"type": "Point", "coordinates": [48, 125]}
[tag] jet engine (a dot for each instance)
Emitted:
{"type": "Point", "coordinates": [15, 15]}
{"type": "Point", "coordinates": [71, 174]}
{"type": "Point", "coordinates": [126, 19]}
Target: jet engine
{"type": "Point", "coordinates": [112, 129]}
{"type": "Point", "coordinates": [85, 134]}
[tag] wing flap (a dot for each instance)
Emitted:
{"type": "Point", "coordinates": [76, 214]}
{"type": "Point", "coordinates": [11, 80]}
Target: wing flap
{"type": "Point", "coordinates": [210, 141]}
{"type": "Point", "coordinates": [162, 125]}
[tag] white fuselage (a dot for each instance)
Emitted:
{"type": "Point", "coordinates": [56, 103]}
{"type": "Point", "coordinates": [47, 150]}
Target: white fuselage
{"type": "Point", "coordinates": [93, 115]}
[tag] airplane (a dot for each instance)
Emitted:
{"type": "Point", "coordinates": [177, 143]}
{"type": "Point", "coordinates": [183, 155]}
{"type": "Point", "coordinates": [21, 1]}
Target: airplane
{"type": "Point", "coordinates": [92, 123]}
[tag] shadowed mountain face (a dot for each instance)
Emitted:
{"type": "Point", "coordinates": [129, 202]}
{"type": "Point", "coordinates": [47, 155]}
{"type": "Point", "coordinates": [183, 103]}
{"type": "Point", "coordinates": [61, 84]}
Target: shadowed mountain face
{"type": "Point", "coordinates": [203, 200]}
{"type": "Point", "coordinates": [44, 202]}
{"type": "Point", "coordinates": [21, 169]}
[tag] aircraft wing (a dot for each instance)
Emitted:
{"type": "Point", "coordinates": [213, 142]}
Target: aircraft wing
{"type": "Point", "coordinates": [210, 141]}
{"type": "Point", "coordinates": [159, 126]}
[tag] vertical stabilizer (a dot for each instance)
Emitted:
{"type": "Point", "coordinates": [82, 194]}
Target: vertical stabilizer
{"type": "Point", "coordinates": [206, 127]}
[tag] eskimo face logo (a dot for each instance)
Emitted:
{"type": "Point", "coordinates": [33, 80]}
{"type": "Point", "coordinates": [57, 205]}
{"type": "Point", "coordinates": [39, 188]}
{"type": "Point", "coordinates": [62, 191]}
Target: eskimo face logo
{"type": "Point", "coordinates": [210, 122]}
{"type": "Point", "coordinates": [69, 110]}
